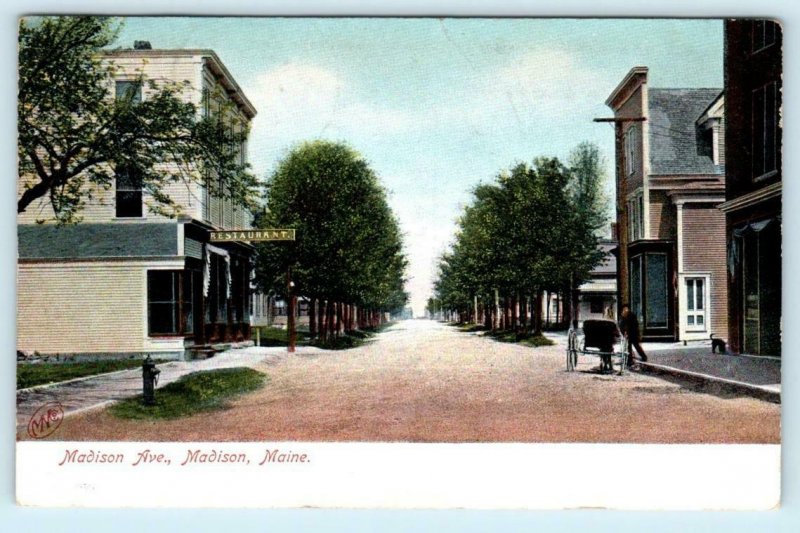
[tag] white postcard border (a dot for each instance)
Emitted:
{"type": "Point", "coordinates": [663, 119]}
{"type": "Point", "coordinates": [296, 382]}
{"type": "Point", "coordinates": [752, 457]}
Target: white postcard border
{"type": "Point", "coordinates": [401, 475]}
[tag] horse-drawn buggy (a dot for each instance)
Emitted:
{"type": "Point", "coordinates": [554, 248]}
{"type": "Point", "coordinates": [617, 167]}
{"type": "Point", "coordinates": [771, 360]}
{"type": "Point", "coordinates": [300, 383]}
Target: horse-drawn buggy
{"type": "Point", "coordinates": [599, 339]}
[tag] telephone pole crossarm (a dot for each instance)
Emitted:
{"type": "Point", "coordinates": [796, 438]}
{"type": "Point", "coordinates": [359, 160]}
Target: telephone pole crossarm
{"type": "Point", "coordinates": [620, 119]}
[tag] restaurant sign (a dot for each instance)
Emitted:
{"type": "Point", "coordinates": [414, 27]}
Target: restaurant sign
{"type": "Point", "coordinates": [253, 235]}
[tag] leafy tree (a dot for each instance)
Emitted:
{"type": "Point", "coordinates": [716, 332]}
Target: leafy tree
{"type": "Point", "coordinates": [533, 229]}
{"type": "Point", "coordinates": [590, 214]}
{"type": "Point", "coordinates": [74, 135]}
{"type": "Point", "coordinates": [348, 250]}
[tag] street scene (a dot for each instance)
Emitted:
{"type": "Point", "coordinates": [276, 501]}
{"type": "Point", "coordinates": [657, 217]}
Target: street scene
{"type": "Point", "coordinates": [402, 387]}
{"type": "Point", "coordinates": [399, 230]}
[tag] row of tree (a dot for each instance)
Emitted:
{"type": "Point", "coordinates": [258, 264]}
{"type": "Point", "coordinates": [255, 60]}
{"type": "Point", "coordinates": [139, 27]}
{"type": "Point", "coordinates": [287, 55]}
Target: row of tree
{"type": "Point", "coordinates": [76, 135]}
{"type": "Point", "coordinates": [347, 258]}
{"type": "Point", "coordinates": [535, 229]}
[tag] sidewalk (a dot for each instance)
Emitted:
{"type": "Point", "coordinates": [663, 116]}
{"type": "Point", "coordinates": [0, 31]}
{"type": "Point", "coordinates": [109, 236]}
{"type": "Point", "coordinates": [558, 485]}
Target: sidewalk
{"type": "Point", "coordinates": [95, 391]}
{"type": "Point", "coordinates": [752, 375]}
{"type": "Point", "coordinates": [758, 376]}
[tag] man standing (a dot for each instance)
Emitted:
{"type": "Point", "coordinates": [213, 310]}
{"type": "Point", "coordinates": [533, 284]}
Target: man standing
{"type": "Point", "coordinates": [629, 325]}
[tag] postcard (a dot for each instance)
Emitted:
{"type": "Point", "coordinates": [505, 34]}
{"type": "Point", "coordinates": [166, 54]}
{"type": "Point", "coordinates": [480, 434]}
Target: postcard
{"type": "Point", "coordinates": [494, 263]}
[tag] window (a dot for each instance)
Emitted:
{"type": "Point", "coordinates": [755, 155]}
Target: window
{"type": "Point", "coordinates": [636, 218]}
{"type": "Point", "coordinates": [649, 289]}
{"type": "Point", "coordinates": [206, 102]}
{"type": "Point", "coordinates": [760, 283]}
{"type": "Point", "coordinates": [596, 305]}
{"type": "Point", "coordinates": [765, 130]}
{"type": "Point", "coordinates": [695, 304]}
{"type": "Point", "coordinates": [705, 143]}
{"type": "Point", "coordinates": [656, 293]}
{"type": "Point", "coordinates": [764, 34]}
{"type": "Point", "coordinates": [129, 179]}
{"type": "Point", "coordinates": [636, 285]}
{"type": "Point", "coordinates": [630, 150]}
{"type": "Point", "coordinates": [169, 302]}
{"type": "Point", "coordinates": [221, 199]}
{"type": "Point", "coordinates": [129, 192]}
{"type": "Point", "coordinates": [129, 90]}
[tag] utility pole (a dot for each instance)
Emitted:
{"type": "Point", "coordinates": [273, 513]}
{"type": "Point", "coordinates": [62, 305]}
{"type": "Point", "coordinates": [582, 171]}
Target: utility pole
{"type": "Point", "coordinates": [622, 214]}
{"type": "Point", "coordinates": [290, 301]}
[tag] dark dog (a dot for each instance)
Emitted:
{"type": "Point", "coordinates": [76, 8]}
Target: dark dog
{"type": "Point", "coordinates": [717, 344]}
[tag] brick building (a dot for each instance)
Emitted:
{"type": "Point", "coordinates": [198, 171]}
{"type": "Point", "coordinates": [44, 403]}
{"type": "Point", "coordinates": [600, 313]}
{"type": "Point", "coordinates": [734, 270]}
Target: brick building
{"type": "Point", "coordinates": [753, 74]}
{"type": "Point", "coordinates": [670, 179]}
{"type": "Point", "coordinates": [124, 280]}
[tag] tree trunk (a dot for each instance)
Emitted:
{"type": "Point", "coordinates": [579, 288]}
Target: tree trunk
{"type": "Point", "coordinates": [514, 313]}
{"type": "Point", "coordinates": [575, 303]}
{"type": "Point", "coordinates": [329, 319]}
{"type": "Point", "coordinates": [320, 318]}
{"type": "Point", "coordinates": [549, 304]}
{"type": "Point", "coordinates": [312, 323]}
{"type": "Point", "coordinates": [537, 322]}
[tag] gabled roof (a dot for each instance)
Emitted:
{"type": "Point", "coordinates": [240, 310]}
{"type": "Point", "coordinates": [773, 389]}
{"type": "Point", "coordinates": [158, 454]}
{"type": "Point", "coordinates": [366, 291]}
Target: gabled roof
{"type": "Point", "coordinates": [674, 135]}
{"type": "Point", "coordinates": [609, 264]}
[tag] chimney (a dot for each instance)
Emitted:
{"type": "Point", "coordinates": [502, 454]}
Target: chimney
{"type": "Point", "coordinates": [142, 45]}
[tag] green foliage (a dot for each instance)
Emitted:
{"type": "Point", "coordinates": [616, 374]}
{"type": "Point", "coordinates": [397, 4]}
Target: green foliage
{"type": "Point", "coordinates": [526, 339]}
{"type": "Point", "coordinates": [471, 328]}
{"type": "Point", "coordinates": [349, 246]}
{"type": "Point", "coordinates": [269, 336]}
{"type": "Point", "coordinates": [193, 393]}
{"type": "Point", "coordinates": [75, 134]}
{"type": "Point", "coordinates": [534, 228]}
{"type": "Point", "coordinates": [33, 374]}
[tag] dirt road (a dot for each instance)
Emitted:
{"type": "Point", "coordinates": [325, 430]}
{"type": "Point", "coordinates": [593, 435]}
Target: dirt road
{"type": "Point", "coordinates": [426, 382]}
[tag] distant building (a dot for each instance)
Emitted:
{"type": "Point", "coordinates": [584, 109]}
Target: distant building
{"type": "Point", "coordinates": [753, 88]}
{"type": "Point", "coordinates": [267, 310]}
{"type": "Point", "coordinates": [126, 281]}
{"type": "Point", "coordinates": [670, 179]}
{"type": "Point", "coordinates": [597, 297]}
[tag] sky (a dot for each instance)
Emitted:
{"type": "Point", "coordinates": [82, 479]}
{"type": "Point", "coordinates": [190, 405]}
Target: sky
{"type": "Point", "coordinates": [437, 106]}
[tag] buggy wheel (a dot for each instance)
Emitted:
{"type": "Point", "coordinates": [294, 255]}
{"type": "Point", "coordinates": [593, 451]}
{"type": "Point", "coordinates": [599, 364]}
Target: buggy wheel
{"type": "Point", "coordinates": [572, 359]}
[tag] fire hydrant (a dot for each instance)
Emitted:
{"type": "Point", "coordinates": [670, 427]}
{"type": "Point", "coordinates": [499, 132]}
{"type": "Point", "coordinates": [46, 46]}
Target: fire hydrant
{"type": "Point", "coordinates": [149, 380]}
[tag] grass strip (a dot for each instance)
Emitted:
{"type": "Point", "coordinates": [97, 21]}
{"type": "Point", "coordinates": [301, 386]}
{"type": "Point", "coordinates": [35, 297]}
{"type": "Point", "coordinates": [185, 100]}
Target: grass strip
{"type": "Point", "coordinates": [527, 339]}
{"type": "Point", "coordinates": [193, 393]}
{"type": "Point", "coordinates": [33, 374]}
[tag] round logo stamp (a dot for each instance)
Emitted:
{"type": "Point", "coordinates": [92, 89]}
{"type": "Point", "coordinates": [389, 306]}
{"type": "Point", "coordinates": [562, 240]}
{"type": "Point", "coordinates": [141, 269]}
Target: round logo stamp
{"type": "Point", "coordinates": [45, 420]}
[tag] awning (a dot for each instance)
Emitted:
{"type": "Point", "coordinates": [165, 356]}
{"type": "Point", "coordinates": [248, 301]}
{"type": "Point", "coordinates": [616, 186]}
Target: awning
{"type": "Point", "coordinates": [734, 247]}
{"type": "Point", "coordinates": [598, 287]}
{"type": "Point", "coordinates": [211, 249]}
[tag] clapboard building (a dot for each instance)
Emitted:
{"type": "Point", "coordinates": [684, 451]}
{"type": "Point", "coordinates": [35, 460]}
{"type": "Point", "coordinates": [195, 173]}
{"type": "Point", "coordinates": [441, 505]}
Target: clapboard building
{"type": "Point", "coordinates": [670, 179]}
{"type": "Point", "coordinates": [127, 281]}
{"type": "Point", "coordinates": [597, 296]}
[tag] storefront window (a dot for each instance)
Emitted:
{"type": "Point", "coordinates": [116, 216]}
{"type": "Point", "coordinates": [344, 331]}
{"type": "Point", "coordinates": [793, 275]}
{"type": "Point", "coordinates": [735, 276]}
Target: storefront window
{"type": "Point", "coordinates": [761, 290]}
{"type": "Point", "coordinates": [169, 303]}
{"type": "Point", "coordinates": [656, 287]}
{"type": "Point", "coordinates": [636, 285]}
